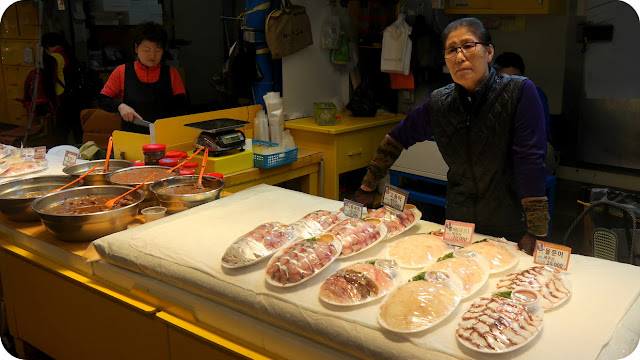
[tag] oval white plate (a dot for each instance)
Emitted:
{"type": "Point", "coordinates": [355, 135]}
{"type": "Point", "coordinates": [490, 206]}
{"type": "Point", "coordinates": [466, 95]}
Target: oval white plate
{"type": "Point", "coordinates": [561, 276]}
{"type": "Point", "coordinates": [396, 281]}
{"type": "Point", "coordinates": [487, 351]}
{"type": "Point", "coordinates": [60, 150]}
{"type": "Point", "coordinates": [417, 215]}
{"type": "Point", "coordinates": [251, 262]}
{"type": "Point", "coordinates": [456, 285]}
{"type": "Point", "coordinates": [382, 230]}
{"type": "Point", "coordinates": [336, 244]}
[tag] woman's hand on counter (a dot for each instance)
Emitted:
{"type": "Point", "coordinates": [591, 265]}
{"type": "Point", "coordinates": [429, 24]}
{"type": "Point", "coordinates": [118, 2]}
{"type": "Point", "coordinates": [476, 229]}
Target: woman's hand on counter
{"type": "Point", "coordinates": [365, 196]}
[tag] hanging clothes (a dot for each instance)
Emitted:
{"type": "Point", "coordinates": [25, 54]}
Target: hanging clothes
{"type": "Point", "coordinates": [396, 47]}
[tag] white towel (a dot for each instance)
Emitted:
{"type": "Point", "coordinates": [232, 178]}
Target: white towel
{"type": "Point", "coordinates": [396, 47]}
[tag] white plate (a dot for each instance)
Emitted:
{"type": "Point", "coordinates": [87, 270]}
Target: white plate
{"type": "Point", "coordinates": [507, 247]}
{"type": "Point", "coordinates": [561, 276]}
{"type": "Point", "coordinates": [324, 238]}
{"type": "Point", "coordinates": [60, 150]}
{"type": "Point", "coordinates": [483, 265]}
{"type": "Point", "coordinates": [243, 241]}
{"type": "Point", "coordinates": [488, 351]}
{"type": "Point", "coordinates": [382, 231]}
{"type": "Point", "coordinates": [392, 271]}
{"type": "Point", "coordinates": [416, 213]}
{"type": "Point", "coordinates": [416, 263]}
{"type": "Point", "coordinates": [428, 286]}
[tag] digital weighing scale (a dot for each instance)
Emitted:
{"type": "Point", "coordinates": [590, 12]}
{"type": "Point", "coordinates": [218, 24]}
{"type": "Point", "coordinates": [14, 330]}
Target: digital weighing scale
{"type": "Point", "coordinates": [220, 136]}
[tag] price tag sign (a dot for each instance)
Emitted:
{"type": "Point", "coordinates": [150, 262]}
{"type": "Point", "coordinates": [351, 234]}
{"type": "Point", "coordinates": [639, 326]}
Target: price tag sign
{"type": "Point", "coordinates": [40, 153]}
{"type": "Point", "coordinates": [394, 198]}
{"type": "Point", "coordinates": [458, 233]}
{"type": "Point", "coordinates": [70, 158]}
{"type": "Point", "coordinates": [353, 209]}
{"type": "Point", "coordinates": [552, 254]}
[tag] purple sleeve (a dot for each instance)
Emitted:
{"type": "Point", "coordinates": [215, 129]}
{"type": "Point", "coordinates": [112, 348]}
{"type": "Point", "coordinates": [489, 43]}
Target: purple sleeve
{"type": "Point", "coordinates": [529, 143]}
{"type": "Point", "coordinates": [414, 128]}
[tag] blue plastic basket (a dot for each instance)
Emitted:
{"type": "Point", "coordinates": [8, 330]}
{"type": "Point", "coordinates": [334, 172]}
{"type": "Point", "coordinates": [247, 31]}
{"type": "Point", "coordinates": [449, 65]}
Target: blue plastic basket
{"type": "Point", "coordinates": [268, 161]}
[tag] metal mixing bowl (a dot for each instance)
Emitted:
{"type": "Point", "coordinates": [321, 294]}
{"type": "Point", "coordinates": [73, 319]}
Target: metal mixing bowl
{"type": "Point", "coordinates": [150, 198]}
{"type": "Point", "coordinates": [96, 177]}
{"type": "Point", "coordinates": [178, 202]}
{"type": "Point", "coordinates": [87, 227]}
{"type": "Point", "coordinates": [17, 207]}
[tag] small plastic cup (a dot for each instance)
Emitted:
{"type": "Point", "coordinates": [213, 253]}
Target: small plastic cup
{"type": "Point", "coordinates": [153, 213]}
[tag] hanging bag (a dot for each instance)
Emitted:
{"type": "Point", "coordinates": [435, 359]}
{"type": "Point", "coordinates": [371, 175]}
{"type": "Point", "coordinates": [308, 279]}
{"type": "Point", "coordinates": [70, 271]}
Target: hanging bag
{"type": "Point", "coordinates": [288, 30]}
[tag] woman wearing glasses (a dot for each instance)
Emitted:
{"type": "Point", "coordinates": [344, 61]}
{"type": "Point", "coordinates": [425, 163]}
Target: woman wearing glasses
{"type": "Point", "coordinates": [490, 131]}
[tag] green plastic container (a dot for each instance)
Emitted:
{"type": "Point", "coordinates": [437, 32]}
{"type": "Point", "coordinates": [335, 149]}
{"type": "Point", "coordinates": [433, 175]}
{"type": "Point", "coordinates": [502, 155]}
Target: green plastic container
{"type": "Point", "coordinates": [324, 113]}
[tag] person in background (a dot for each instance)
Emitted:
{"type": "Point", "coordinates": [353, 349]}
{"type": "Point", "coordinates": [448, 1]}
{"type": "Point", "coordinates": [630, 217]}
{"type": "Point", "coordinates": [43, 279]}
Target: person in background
{"type": "Point", "coordinates": [148, 89]}
{"type": "Point", "coordinates": [56, 59]}
{"type": "Point", "coordinates": [490, 131]}
{"type": "Point", "coordinates": [511, 63]}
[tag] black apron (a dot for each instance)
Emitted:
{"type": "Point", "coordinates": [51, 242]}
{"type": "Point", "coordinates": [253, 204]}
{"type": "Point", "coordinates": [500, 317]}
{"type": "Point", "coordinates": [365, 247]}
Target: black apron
{"type": "Point", "coordinates": [151, 100]}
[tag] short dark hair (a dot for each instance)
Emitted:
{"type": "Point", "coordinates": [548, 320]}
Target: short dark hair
{"type": "Point", "coordinates": [509, 59]}
{"type": "Point", "coordinates": [472, 24]}
{"type": "Point", "coordinates": [152, 32]}
{"type": "Point", "coordinates": [52, 39]}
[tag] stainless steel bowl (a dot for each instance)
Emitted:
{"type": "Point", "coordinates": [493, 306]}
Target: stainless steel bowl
{"type": "Point", "coordinates": [17, 207]}
{"type": "Point", "coordinates": [87, 227]}
{"type": "Point", "coordinates": [178, 202]}
{"type": "Point", "coordinates": [97, 177]}
{"type": "Point", "coordinates": [150, 198]}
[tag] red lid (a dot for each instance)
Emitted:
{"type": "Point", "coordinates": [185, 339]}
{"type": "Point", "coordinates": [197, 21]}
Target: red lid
{"type": "Point", "coordinates": [187, 172]}
{"type": "Point", "coordinates": [190, 165]}
{"type": "Point", "coordinates": [168, 162]}
{"type": "Point", "coordinates": [138, 163]}
{"type": "Point", "coordinates": [218, 175]}
{"type": "Point", "coordinates": [176, 154]}
{"type": "Point", "coordinates": [154, 147]}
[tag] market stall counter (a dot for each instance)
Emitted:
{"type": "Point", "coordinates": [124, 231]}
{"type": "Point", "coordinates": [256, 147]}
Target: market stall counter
{"type": "Point", "coordinates": [173, 267]}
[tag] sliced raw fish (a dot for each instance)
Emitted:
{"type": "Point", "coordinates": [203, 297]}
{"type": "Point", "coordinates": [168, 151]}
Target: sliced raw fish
{"type": "Point", "coordinates": [417, 251]}
{"type": "Point", "coordinates": [500, 258]}
{"type": "Point", "coordinates": [316, 222]}
{"type": "Point", "coordinates": [359, 283]}
{"type": "Point", "coordinates": [418, 305]}
{"type": "Point", "coordinates": [302, 259]}
{"type": "Point", "coordinates": [547, 281]}
{"type": "Point", "coordinates": [258, 243]}
{"type": "Point", "coordinates": [357, 234]}
{"type": "Point", "coordinates": [497, 324]}
{"type": "Point", "coordinates": [396, 223]}
{"type": "Point", "coordinates": [472, 269]}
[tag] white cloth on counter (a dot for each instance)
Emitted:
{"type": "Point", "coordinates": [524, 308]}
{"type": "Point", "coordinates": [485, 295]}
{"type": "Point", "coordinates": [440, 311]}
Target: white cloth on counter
{"type": "Point", "coordinates": [185, 250]}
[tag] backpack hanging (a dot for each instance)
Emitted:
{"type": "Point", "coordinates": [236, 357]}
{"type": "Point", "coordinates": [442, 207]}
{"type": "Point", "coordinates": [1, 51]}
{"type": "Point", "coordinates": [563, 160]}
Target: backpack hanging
{"type": "Point", "coordinates": [288, 30]}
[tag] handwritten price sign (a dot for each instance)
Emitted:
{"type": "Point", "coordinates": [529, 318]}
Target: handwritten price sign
{"type": "Point", "coordinates": [394, 198]}
{"type": "Point", "coordinates": [352, 208]}
{"type": "Point", "coordinates": [552, 254]}
{"type": "Point", "coordinates": [458, 232]}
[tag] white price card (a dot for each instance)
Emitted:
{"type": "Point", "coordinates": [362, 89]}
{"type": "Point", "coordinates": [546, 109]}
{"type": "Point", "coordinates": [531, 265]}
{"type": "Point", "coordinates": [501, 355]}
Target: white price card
{"type": "Point", "coordinates": [458, 232]}
{"type": "Point", "coordinates": [394, 198]}
{"type": "Point", "coordinates": [552, 254]}
{"type": "Point", "coordinates": [40, 152]}
{"type": "Point", "coordinates": [353, 209]}
{"type": "Point", "coordinates": [70, 158]}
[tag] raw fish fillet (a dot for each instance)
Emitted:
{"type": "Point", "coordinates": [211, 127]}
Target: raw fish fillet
{"type": "Point", "coordinates": [417, 250]}
{"type": "Point", "coordinates": [316, 222]}
{"type": "Point", "coordinates": [544, 280]}
{"type": "Point", "coordinates": [396, 223]}
{"type": "Point", "coordinates": [301, 260]}
{"type": "Point", "coordinates": [499, 257]}
{"type": "Point", "coordinates": [469, 270]}
{"type": "Point", "coordinates": [356, 234]}
{"type": "Point", "coordinates": [358, 283]}
{"type": "Point", "coordinates": [257, 243]}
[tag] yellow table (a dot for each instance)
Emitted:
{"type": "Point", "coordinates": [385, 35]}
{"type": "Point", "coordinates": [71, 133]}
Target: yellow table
{"type": "Point", "coordinates": [346, 146]}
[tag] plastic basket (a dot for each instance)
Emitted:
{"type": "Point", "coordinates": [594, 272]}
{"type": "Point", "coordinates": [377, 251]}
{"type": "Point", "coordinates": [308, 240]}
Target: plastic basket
{"type": "Point", "coordinates": [263, 161]}
{"type": "Point", "coordinates": [324, 113]}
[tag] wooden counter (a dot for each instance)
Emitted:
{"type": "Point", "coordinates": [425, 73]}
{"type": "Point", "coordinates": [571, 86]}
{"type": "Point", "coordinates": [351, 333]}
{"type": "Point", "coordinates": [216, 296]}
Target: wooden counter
{"type": "Point", "coordinates": [346, 146]}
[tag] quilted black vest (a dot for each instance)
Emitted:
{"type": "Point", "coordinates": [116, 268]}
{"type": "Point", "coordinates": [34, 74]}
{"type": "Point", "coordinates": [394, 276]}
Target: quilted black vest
{"type": "Point", "coordinates": [474, 133]}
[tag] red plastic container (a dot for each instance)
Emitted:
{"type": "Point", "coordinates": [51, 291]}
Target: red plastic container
{"type": "Point", "coordinates": [218, 175]}
{"type": "Point", "coordinates": [190, 165]}
{"type": "Point", "coordinates": [168, 162]}
{"type": "Point", "coordinates": [187, 172]}
{"type": "Point", "coordinates": [176, 154]}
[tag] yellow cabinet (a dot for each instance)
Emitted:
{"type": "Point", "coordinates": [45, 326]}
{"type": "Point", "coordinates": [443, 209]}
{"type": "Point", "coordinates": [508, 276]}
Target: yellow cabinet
{"type": "Point", "coordinates": [27, 19]}
{"type": "Point", "coordinates": [346, 146]}
{"type": "Point", "coordinates": [9, 24]}
{"type": "Point", "coordinates": [533, 7]}
{"type": "Point", "coordinates": [18, 52]}
{"type": "Point", "coordinates": [14, 77]}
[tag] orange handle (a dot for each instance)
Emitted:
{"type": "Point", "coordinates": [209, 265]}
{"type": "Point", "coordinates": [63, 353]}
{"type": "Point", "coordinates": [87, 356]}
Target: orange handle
{"type": "Point", "coordinates": [109, 148]}
{"type": "Point", "coordinates": [76, 180]}
{"type": "Point", "coordinates": [185, 160]}
{"type": "Point", "coordinates": [204, 163]}
{"type": "Point", "coordinates": [112, 202]}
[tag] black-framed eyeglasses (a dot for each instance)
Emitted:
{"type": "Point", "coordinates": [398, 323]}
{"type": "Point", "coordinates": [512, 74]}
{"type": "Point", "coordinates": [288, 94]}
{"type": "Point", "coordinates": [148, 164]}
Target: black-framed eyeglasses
{"type": "Point", "coordinates": [466, 49]}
